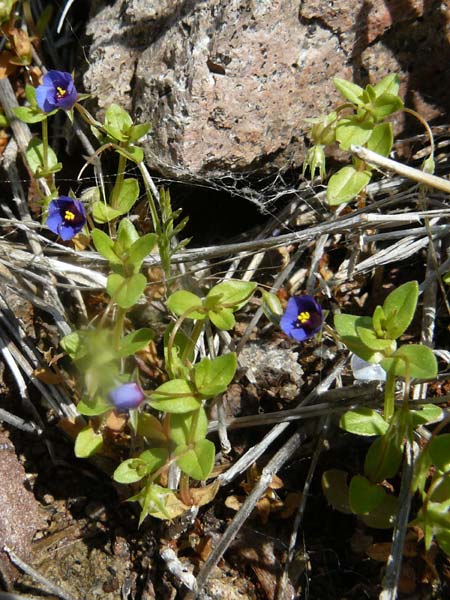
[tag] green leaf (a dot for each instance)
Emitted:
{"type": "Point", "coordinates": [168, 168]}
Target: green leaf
{"type": "Point", "coordinates": [441, 491]}
{"type": "Point", "coordinates": [182, 301]}
{"type": "Point", "coordinates": [188, 427]}
{"type": "Point", "coordinates": [30, 95]}
{"type": "Point", "coordinates": [421, 472]}
{"type": "Point", "coordinates": [382, 516]}
{"type": "Point", "coordinates": [381, 139]}
{"type": "Point", "coordinates": [345, 326]}
{"type": "Point", "coordinates": [135, 341]}
{"type": "Point", "coordinates": [127, 235]}
{"type": "Point", "coordinates": [74, 344]}
{"type": "Point", "coordinates": [129, 193]}
{"type": "Point", "coordinates": [429, 165]}
{"type": "Point", "coordinates": [439, 449]}
{"type": "Point", "coordinates": [222, 318]}
{"type": "Point", "coordinates": [363, 421]}
{"type": "Point", "coordinates": [434, 520]}
{"type": "Point", "coordinates": [138, 131]}
{"type": "Point", "coordinates": [117, 122]}
{"type": "Point", "coordinates": [399, 308]}
{"type": "Point", "coordinates": [28, 114]}
{"type": "Point", "coordinates": [383, 459]}
{"type": "Point", "coordinates": [426, 413]}
{"type": "Point", "coordinates": [125, 291]}
{"type": "Point", "coordinates": [272, 308]}
{"type": "Point", "coordinates": [141, 249]}
{"type": "Point", "coordinates": [364, 496]}
{"type": "Point", "coordinates": [233, 292]}
{"type": "Point", "coordinates": [104, 246]}
{"type": "Point", "coordinates": [175, 396]}
{"type": "Point", "coordinates": [388, 85]}
{"type": "Point", "coordinates": [385, 105]}
{"type": "Point", "coordinates": [133, 153]}
{"type": "Point", "coordinates": [132, 470]}
{"type": "Point", "coordinates": [175, 367]}
{"type": "Point", "coordinates": [103, 213]}
{"type": "Point", "coordinates": [335, 489]}
{"type": "Point", "coordinates": [91, 407]}
{"type": "Point", "coordinates": [154, 458]}
{"type": "Point", "coordinates": [197, 462]}
{"type": "Point", "coordinates": [35, 156]}
{"type": "Point", "coordinates": [443, 539]}
{"type": "Point", "coordinates": [156, 500]}
{"type": "Point", "coordinates": [369, 338]}
{"type": "Point", "coordinates": [212, 377]}
{"type": "Point", "coordinates": [349, 131]}
{"type": "Point", "coordinates": [149, 427]}
{"type": "Point", "coordinates": [379, 322]}
{"type": "Point", "coordinates": [421, 360]}
{"type": "Point", "coordinates": [88, 442]}
{"type": "Point", "coordinates": [346, 184]}
{"type": "Point", "coordinates": [349, 90]}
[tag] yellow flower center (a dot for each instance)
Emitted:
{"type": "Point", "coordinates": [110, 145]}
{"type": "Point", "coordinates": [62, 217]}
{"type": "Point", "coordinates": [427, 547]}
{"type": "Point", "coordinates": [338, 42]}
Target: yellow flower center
{"type": "Point", "coordinates": [61, 92]}
{"type": "Point", "coordinates": [304, 316]}
{"type": "Point", "coordinates": [69, 216]}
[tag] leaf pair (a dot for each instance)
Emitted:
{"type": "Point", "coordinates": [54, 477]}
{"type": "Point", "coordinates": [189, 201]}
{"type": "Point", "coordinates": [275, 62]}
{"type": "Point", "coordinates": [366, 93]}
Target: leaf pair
{"type": "Point", "coordinates": [219, 305]}
{"type": "Point", "coordinates": [125, 255]}
{"type": "Point", "coordinates": [207, 379]}
{"type": "Point", "coordinates": [374, 338]}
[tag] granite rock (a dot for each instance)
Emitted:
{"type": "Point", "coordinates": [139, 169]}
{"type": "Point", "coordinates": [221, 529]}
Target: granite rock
{"type": "Point", "coordinates": [228, 84]}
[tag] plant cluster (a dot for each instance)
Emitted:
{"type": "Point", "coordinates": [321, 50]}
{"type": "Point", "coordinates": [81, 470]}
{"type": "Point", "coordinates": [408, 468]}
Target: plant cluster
{"type": "Point", "coordinates": [360, 121]}
{"type": "Point", "coordinates": [167, 426]}
{"type": "Point", "coordinates": [375, 340]}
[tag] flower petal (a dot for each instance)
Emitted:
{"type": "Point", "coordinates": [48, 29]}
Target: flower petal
{"type": "Point", "coordinates": [126, 396]}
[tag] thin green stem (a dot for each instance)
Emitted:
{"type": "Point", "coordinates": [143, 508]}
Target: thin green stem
{"type": "Point", "coordinates": [175, 329]}
{"type": "Point", "coordinates": [193, 338]}
{"type": "Point", "coordinates": [389, 393]}
{"type": "Point", "coordinates": [115, 196]}
{"type": "Point", "coordinates": [88, 118]}
{"type": "Point", "coordinates": [45, 144]}
{"type": "Point", "coordinates": [119, 326]}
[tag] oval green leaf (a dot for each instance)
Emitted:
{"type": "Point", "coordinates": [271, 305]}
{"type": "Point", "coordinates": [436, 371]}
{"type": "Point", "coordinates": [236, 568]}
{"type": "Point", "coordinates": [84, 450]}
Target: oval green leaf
{"type": "Point", "coordinates": [346, 184]}
{"type": "Point", "coordinates": [198, 461]}
{"type": "Point", "coordinates": [188, 427]}
{"type": "Point", "coordinates": [421, 360]}
{"type": "Point", "coordinates": [363, 421]}
{"type": "Point", "coordinates": [399, 308]}
{"type": "Point", "coordinates": [88, 442]}
{"type": "Point", "coordinates": [126, 291]}
{"type": "Point", "coordinates": [174, 396]}
{"type": "Point", "coordinates": [183, 301]}
{"type": "Point", "coordinates": [364, 496]}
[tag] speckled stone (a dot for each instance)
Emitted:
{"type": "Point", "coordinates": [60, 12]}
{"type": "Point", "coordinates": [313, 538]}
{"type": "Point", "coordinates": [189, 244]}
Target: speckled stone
{"type": "Point", "coordinates": [21, 515]}
{"type": "Point", "coordinates": [228, 84]}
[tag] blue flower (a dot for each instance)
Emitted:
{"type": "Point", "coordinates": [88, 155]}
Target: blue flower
{"type": "Point", "coordinates": [57, 91]}
{"type": "Point", "coordinates": [66, 217]}
{"type": "Point", "coordinates": [302, 318]}
{"type": "Point", "coordinates": [126, 396]}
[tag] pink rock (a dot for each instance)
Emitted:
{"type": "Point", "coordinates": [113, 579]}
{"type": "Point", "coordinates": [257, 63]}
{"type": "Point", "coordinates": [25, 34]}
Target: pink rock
{"type": "Point", "coordinates": [228, 84]}
{"type": "Point", "coordinates": [20, 516]}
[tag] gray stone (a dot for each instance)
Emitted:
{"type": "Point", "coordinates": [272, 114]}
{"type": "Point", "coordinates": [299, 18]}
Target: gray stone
{"type": "Point", "coordinates": [228, 84]}
{"type": "Point", "coordinates": [274, 370]}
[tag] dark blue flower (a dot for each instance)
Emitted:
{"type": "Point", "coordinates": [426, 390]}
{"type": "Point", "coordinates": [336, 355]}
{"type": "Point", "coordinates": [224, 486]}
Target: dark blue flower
{"type": "Point", "coordinates": [66, 217]}
{"type": "Point", "coordinates": [57, 91]}
{"type": "Point", "coordinates": [126, 396]}
{"type": "Point", "coordinates": [302, 318]}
